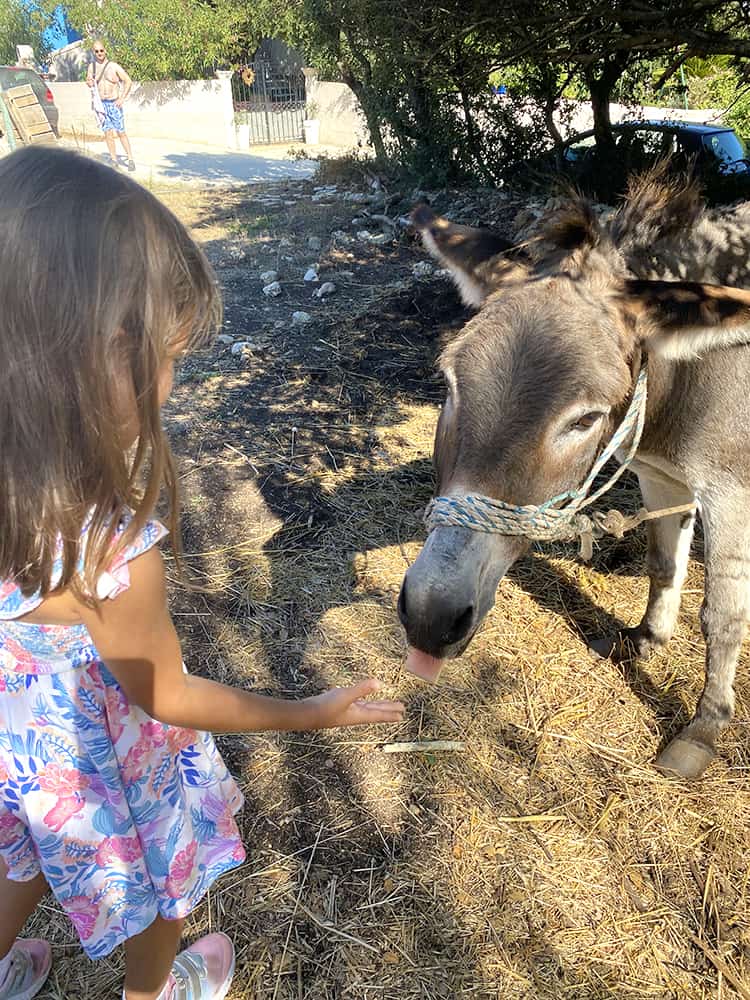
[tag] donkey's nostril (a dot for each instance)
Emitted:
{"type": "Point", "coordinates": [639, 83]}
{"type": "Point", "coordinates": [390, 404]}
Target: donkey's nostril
{"type": "Point", "coordinates": [434, 616]}
{"type": "Point", "coordinates": [401, 606]}
{"type": "Point", "coordinates": [460, 627]}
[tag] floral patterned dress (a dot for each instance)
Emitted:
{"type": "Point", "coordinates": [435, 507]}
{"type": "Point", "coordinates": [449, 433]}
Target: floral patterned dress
{"type": "Point", "coordinates": [127, 818]}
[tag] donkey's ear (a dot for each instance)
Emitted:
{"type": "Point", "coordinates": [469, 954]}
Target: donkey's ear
{"type": "Point", "coordinates": [475, 257]}
{"type": "Point", "coordinates": [573, 226]}
{"type": "Point", "coordinates": [684, 319]}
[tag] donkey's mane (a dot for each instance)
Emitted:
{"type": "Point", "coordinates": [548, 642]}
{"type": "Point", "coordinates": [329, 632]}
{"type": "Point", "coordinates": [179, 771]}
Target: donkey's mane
{"type": "Point", "coordinates": [663, 230]}
{"type": "Point", "coordinates": [656, 208]}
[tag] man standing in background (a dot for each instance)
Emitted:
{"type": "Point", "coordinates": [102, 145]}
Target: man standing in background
{"type": "Point", "coordinates": [112, 84]}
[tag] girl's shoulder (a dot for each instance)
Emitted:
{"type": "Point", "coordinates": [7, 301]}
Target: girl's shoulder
{"type": "Point", "coordinates": [116, 579]}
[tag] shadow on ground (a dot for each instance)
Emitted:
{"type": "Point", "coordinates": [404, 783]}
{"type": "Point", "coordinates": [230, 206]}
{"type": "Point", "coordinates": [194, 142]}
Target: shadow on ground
{"type": "Point", "coordinates": [209, 168]}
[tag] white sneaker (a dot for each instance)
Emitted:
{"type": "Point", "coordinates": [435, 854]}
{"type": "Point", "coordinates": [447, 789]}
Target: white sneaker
{"type": "Point", "coordinates": [203, 971]}
{"type": "Point", "coordinates": [27, 971]}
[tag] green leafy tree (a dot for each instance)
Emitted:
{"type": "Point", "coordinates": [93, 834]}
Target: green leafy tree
{"type": "Point", "coordinates": [161, 39]}
{"type": "Point", "coordinates": [422, 83]}
{"type": "Point", "coordinates": [718, 83]}
{"type": "Point", "coordinates": [609, 42]}
{"type": "Point", "coordinates": [422, 71]}
{"type": "Point", "coordinates": [20, 26]}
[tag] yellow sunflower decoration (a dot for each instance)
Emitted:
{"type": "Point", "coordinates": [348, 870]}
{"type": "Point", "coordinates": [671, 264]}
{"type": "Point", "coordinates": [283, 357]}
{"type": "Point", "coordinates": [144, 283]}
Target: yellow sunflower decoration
{"type": "Point", "coordinates": [248, 76]}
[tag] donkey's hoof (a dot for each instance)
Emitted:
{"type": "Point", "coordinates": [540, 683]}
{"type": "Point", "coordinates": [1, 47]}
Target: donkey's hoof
{"type": "Point", "coordinates": [682, 758]}
{"type": "Point", "coordinates": [627, 644]}
{"type": "Point", "coordinates": [604, 647]}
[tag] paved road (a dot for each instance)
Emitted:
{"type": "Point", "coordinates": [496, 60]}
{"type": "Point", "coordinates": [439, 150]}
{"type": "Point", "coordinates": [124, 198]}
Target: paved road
{"type": "Point", "coordinates": [159, 161]}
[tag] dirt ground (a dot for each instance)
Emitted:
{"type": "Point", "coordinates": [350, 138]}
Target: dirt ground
{"type": "Point", "coordinates": [544, 858]}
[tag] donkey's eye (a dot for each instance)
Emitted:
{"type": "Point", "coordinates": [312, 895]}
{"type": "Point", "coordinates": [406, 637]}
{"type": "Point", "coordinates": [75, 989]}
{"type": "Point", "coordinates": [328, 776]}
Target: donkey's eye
{"type": "Point", "coordinates": [586, 421]}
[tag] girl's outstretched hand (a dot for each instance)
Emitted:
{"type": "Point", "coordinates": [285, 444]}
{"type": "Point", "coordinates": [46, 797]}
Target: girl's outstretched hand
{"type": "Point", "coordinates": [348, 707]}
{"type": "Point", "coordinates": [135, 636]}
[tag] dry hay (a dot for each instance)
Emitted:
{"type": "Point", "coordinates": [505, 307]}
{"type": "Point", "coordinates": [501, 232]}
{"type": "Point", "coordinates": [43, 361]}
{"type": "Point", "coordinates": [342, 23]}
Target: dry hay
{"type": "Point", "coordinates": [547, 859]}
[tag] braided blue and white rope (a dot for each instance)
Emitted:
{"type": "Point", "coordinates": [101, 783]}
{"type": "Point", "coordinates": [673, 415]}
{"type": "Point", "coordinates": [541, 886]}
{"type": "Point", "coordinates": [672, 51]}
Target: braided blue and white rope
{"type": "Point", "coordinates": [558, 519]}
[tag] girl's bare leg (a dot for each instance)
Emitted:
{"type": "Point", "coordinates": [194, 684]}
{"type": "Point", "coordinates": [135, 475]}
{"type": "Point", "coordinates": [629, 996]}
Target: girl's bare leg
{"type": "Point", "coordinates": [18, 900]}
{"type": "Point", "coordinates": [149, 956]}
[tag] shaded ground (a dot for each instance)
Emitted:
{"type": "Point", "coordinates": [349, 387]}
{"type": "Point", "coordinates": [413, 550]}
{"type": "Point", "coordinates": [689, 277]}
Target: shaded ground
{"type": "Point", "coordinates": [546, 859]}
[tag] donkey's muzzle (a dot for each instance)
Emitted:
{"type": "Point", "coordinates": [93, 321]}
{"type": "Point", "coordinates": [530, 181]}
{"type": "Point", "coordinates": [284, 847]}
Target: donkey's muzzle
{"type": "Point", "coordinates": [450, 587]}
{"type": "Point", "coordinates": [434, 619]}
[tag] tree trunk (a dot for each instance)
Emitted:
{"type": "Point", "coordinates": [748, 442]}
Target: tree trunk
{"type": "Point", "coordinates": [373, 122]}
{"type": "Point", "coordinates": [600, 92]}
{"type": "Point", "coordinates": [601, 88]}
{"type": "Point", "coordinates": [607, 172]}
{"type": "Point", "coordinates": [551, 93]}
{"type": "Point", "coordinates": [421, 106]}
{"type": "Point", "coordinates": [549, 118]}
{"type": "Point", "coordinates": [473, 138]}
{"type": "Point", "coordinates": [463, 71]}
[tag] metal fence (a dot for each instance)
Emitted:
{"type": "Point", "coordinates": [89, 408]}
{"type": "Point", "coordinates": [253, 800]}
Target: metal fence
{"type": "Point", "coordinates": [269, 102]}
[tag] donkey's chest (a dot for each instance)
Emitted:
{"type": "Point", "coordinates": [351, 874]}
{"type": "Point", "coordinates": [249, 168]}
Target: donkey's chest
{"type": "Point", "coordinates": [656, 468]}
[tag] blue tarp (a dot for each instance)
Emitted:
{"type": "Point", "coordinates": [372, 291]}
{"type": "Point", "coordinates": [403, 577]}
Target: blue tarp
{"type": "Point", "coordinates": [59, 32]}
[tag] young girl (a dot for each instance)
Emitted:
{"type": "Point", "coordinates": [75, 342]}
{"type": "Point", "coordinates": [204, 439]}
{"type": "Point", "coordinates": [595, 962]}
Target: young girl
{"type": "Point", "coordinates": [111, 792]}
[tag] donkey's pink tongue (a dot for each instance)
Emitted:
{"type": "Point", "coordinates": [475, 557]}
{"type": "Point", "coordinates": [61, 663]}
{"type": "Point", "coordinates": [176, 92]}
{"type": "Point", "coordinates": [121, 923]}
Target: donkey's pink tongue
{"type": "Point", "coordinates": [423, 665]}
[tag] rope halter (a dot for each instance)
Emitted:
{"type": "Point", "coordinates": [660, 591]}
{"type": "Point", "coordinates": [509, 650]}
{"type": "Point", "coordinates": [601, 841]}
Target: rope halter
{"type": "Point", "coordinates": [560, 519]}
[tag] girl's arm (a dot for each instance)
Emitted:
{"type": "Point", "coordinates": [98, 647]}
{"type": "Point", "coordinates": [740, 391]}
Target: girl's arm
{"type": "Point", "coordinates": [136, 638]}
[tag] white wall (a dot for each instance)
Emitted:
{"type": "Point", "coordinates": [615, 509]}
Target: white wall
{"type": "Point", "coordinates": [198, 111]}
{"type": "Point", "coordinates": [583, 117]}
{"type": "Point", "coordinates": [201, 111]}
{"type": "Point", "coordinates": [341, 120]}
{"type": "Point", "coordinates": [67, 64]}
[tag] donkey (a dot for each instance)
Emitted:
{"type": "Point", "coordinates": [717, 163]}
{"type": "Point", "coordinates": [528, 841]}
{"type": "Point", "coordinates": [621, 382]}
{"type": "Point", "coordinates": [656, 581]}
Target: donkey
{"type": "Point", "coordinates": [539, 379]}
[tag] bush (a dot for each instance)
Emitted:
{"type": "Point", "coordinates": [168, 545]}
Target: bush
{"type": "Point", "coordinates": [717, 84]}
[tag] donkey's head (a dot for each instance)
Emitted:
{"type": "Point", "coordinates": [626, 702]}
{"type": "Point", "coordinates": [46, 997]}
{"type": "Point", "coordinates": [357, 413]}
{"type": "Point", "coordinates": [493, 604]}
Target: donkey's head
{"type": "Point", "coordinates": [536, 383]}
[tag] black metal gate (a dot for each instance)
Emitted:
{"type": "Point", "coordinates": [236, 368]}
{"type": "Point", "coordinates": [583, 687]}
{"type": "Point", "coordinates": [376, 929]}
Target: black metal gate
{"type": "Point", "coordinates": [269, 103]}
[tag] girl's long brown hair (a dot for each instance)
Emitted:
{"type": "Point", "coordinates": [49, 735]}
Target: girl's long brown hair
{"type": "Point", "coordinates": [98, 281]}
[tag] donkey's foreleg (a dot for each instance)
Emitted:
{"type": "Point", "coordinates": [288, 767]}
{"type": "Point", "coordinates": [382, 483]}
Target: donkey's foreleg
{"type": "Point", "coordinates": [724, 616]}
{"type": "Point", "coordinates": [667, 555]}
{"type": "Point", "coordinates": [666, 563]}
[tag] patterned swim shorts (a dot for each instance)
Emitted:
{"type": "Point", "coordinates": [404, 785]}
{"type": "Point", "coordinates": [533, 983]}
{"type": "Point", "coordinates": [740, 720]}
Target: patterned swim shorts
{"type": "Point", "coordinates": [114, 118]}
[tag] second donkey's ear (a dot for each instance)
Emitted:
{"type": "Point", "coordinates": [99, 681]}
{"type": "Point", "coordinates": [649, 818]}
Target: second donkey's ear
{"type": "Point", "coordinates": [476, 258]}
{"type": "Point", "coordinates": [685, 319]}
